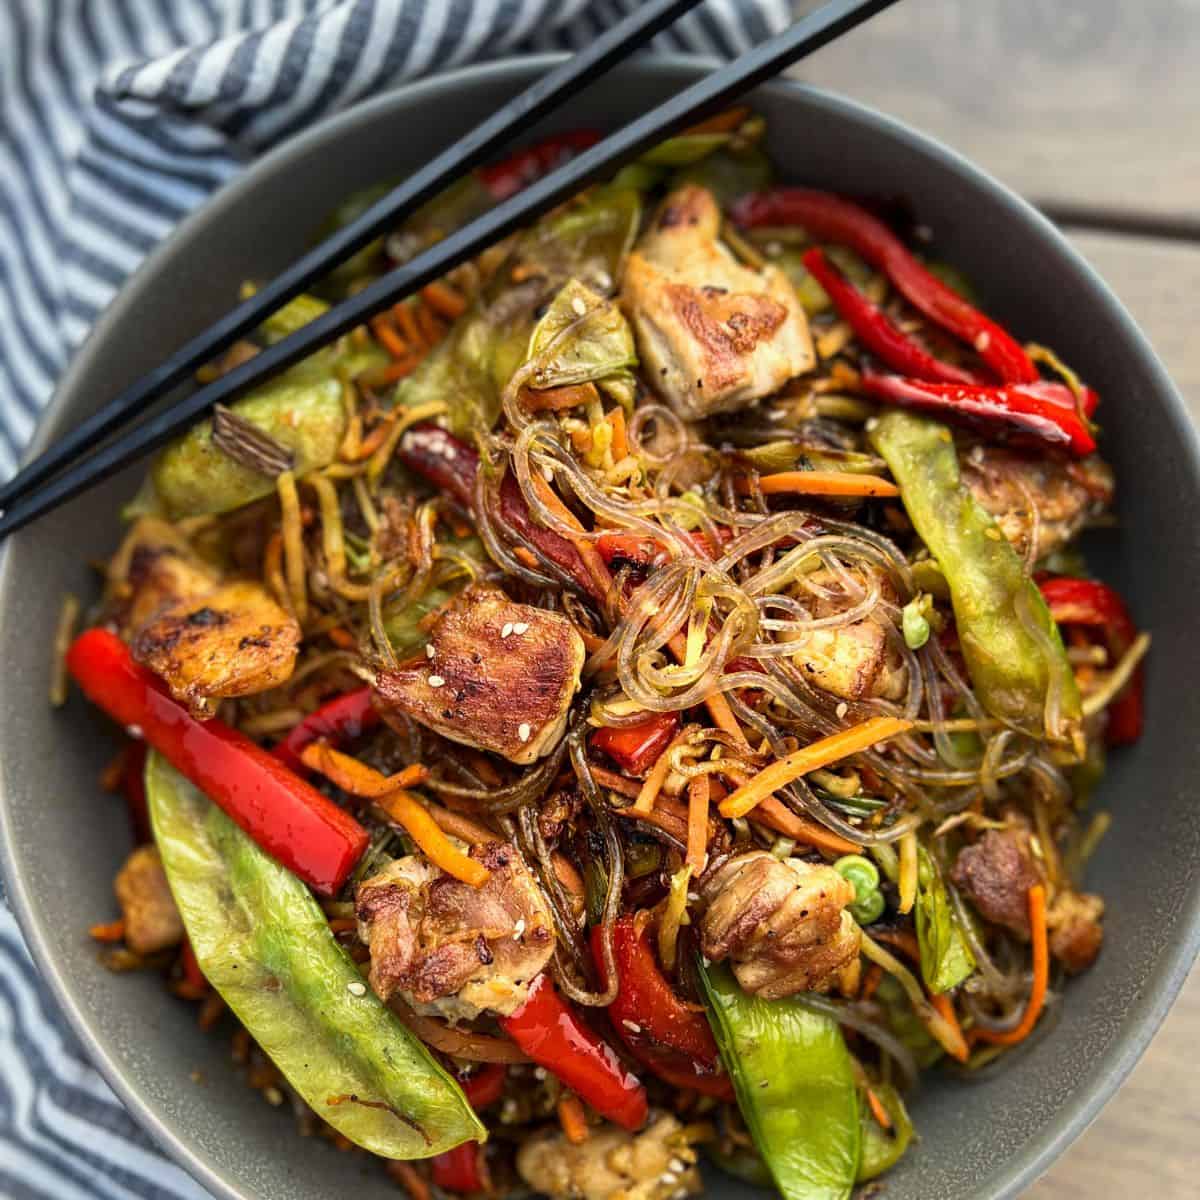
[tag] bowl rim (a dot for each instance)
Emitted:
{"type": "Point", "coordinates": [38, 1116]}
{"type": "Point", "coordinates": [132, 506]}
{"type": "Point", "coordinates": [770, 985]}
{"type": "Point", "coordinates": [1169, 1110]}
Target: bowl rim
{"type": "Point", "coordinates": [1169, 973]}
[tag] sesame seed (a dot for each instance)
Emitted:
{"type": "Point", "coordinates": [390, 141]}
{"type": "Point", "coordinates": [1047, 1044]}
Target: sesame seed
{"type": "Point", "coordinates": [677, 1164]}
{"type": "Point", "coordinates": [520, 627]}
{"type": "Point", "coordinates": [603, 279]}
{"type": "Point", "coordinates": [428, 649]}
{"type": "Point", "coordinates": [518, 929]}
{"type": "Point", "coordinates": [669, 1179]}
{"type": "Point", "coordinates": [523, 731]}
{"type": "Point", "coordinates": [578, 306]}
{"type": "Point", "coordinates": [539, 1072]}
{"type": "Point", "coordinates": [842, 709]}
{"type": "Point", "coordinates": [134, 731]}
{"type": "Point", "coordinates": [507, 629]}
{"type": "Point", "coordinates": [632, 1026]}
{"type": "Point", "coordinates": [436, 681]}
{"type": "Point", "coordinates": [548, 474]}
{"type": "Point", "coordinates": [356, 988]}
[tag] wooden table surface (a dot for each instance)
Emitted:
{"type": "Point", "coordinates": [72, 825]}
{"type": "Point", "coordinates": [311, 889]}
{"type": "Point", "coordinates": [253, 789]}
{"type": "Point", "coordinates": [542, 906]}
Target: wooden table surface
{"type": "Point", "coordinates": [1090, 108]}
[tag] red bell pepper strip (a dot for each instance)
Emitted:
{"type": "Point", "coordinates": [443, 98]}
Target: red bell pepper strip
{"type": "Point", "coordinates": [337, 721]}
{"type": "Point", "coordinates": [1095, 605]}
{"type": "Point", "coordinates": [875, 329]}
{"type": "Point", "coordinates": [283, 813]}
{"type": "Point", "coordinates": [635, 748]}
{"type": "Point", "coordinates": [555, 1037]}
{"type": "Point", "coordinates": [509, 176]}
{"type": "Point", "coordinates": [462, 1170]}
{"type": "Point", "coordinates": [659, 1029]}
{"type": "Point", "coordinates": [451, 465]}
{"type": "Point", "coordinates": [1044, 411]}
{"type": "Point", "coordinates": [834, 219]}
{"type": "Point", "coordinates": [485, 1086]}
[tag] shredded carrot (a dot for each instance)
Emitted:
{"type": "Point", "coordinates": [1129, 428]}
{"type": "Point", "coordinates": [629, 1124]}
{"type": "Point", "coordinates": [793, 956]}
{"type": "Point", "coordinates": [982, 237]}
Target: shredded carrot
{"type": "Point", "coordinates": [405, 1173]}
{"type": "Point", "coordinates": [587, 551]}
{"type": "Point", "coordinates": [444, 300]}
{"type": "Point", "coordinates": [387, 336]}
{"type": "Point", "coordinates": [572, 1118]}
{"type": "Point", "coordinates": [697, 838]}
{"type": "Point", "coordinates": [944, 1007]}
{"type": "Point", "coordinates": [717, 705]}
{"type": "Point", "coordinates": [657, 775]}
{"type": "Point", "coordinates": [774, 814]}
{"type": "Point", "coordinates": [810, 758]}
{"type": "Point", "coordinates": [407, 810]}
{"type": "Point", "coordinates": [824, 483]}
{"type": "Point", "coordinates": [113, 776]}
{"type": "Point", "coordinates": [526, 556]}
{"type": "Point", "coordinates": [568, 876]}
{"type": "Point", "coordinates": [555, 399]}
{"type": "Point", "coordinates": [402, 314]}
{"type": "Point", "coordinates": [871, 981]}
{"type": "Point", "coordinates": [343, 639]}
{"type": "Point", "coordinates": [381, 376]}
{"type": "Point", "coordinates": [877, 1110]}
{"type": "Point", "coordinates": [356, 777]}
{"type": "Point", "coordinates": [668, 822]}
{"type": "Point", "coordinates": [460, 826]}
{"type": "Point", "coordinates": [1041, 976]}
{"type": "Point", "coordinates": [620, 436]}
{"type": "Point", "coordinates": [110, 931]}
{"type": "Point", "coordinates": [427, 323]}
{"type": "Point", "coordinates": [484, 768]}
{"type": "Point", "coordinates": [620, 784]}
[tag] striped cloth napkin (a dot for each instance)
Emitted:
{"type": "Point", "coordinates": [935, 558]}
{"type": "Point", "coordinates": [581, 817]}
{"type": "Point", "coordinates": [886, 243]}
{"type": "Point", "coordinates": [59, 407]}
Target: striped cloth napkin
{"type": "Point", "coordinates": [117, 117]}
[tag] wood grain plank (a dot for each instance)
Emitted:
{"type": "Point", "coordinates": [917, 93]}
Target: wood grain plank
{"type": "Point", "coordinates": [1069, 101]}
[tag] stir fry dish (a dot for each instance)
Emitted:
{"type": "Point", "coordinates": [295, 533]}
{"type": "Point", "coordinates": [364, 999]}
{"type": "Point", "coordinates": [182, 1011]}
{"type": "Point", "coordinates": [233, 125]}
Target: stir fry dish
{"type": "Point", "coordinates": [634, 703]}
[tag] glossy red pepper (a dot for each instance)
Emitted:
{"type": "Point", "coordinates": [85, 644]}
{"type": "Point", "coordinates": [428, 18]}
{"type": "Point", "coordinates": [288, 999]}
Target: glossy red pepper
{"type": "Point", "coordinates": [659, 1029]}
{"type": "Point", "coordinates": [283, 813]}
{"type": "Point", "coordinates": [1096, 606]}
{"type": "Point", "coordinates": [451, 465]}
{"type": "Point", "coordinates": [875, 330]}
{"type": "Point", "coordinates": [507, 177]}
{"type": "Point", "coordinates": [1042, 411]}
{"type": "Point", "coordinates": [832, 218]}
{"type": "Point", "coordinates": [555, 1037]}
{"type": "Point", "coordinates": [337, 721]}
{"type": "Point", "coordinates": [462, 1170]}
{"type": "Point", "coordinates": [635, 748]}
{"type": "Point", "coordinates": [485, 1086]}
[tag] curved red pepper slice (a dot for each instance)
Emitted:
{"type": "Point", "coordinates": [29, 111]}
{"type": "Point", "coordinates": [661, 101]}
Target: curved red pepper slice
{"type": "Point", "coordinates": [462, 1170]}
{"type": "Point", "coordinates": [1097, 606]}
{"type": "Point", "coordinates": [834, 219]}
{"type": "Point", "coordinates": [555, 1037]}
{"type": "Point", "coordinates": [875, 330]}
{"type": "Point", "coordinates": [509, 176]}
{"type": "Point", "coordinates": [635, 748]}
{"type": "Point", "coordinates": [338, 721]}
{"type": "Point", "coordinates": [659, 1029]}
{"type": "Point", "coordinates": [283, 813]}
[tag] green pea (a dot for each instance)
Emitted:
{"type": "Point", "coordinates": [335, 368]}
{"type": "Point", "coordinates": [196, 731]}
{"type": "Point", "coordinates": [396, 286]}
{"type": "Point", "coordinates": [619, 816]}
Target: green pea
{"type": "Point", "coordinates": [914, 624]}
{"type": "Point", "coordinates": [868, 909]}
{"type": "Point", "coordinates": [854, 867]}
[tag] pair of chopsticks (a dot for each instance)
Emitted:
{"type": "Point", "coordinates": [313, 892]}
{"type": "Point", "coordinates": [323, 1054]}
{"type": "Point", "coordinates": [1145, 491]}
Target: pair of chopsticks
{"type": "Point", "coordinates": [74, 463]}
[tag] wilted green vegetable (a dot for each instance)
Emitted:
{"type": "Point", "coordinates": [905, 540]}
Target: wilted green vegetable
{"type": "Point", "coordinates": [1010, 642]}
{"type": "Point", "coordinates": [946, 958]}
{"type": "Point", "coordinates": [795, 1086]}
{"type": "Point", "coordinates": [264, 944]}
{"type": "Point", "coordinates": [881, 1149]}
{"type": "Point", "coordinates": [729, 174]}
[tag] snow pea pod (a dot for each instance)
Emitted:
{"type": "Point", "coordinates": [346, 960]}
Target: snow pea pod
{"type": "Point", "coordinates": [264, 944]}
{"type": "Point", "coordinates": [795, 1086]}
{"type": "Point", "coordinates": [1010, 642]}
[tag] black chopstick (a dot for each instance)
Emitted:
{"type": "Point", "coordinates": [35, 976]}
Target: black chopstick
{"type": "Point", "coordinates": [476, 147]}
{"type": "Point", "coordinates": [703, 98]}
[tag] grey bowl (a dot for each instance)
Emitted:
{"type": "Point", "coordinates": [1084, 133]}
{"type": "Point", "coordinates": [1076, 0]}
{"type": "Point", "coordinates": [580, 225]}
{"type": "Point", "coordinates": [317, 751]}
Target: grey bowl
{"type": "Point", "coordinates": [62, 838]}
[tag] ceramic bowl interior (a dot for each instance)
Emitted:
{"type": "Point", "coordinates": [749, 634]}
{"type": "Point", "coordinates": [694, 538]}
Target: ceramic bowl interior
{"type": "Point", "coordinates": [62, 838]}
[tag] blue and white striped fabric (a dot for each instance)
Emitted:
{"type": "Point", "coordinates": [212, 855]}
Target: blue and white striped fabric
{"type": "Point", "coordinates": [117, 117]}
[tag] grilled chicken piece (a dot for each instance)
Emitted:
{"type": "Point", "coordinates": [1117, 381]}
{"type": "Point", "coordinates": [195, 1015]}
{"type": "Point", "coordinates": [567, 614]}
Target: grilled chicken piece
{"type": "Point", "coordinates": [233, 640]}
{"type": "Point", "coordinates": [995, 873]}
{"type": "Point", "coordinates": [851, 661]}
{"type": "Point", "coordinates": [656, 1164]}
{"type": "Point", "coordinates": [498, 676]}
{"type": "Point", "coordinates": [782, 924]}
{"type": "Point", "coordinates": [713, 334]}
{"type": "Point", "coordinates": [152, 921]}
{"type": "Point", "coordinates": [450, 949]}
{"type": "Point", "coordinates": [1037, 498]}
{"type": "Point", "coordinates": [154, 567]}
{"type": "Point", "coordinates": [1075, 930]}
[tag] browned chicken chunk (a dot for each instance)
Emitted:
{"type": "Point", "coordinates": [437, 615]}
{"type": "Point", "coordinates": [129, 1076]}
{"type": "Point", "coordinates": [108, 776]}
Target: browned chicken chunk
{"type": "Point", "coordinates": [1075, 930]}
{"type": "Point", "coordinates": [1037, 499]}
{"type": "Point", "coordinates": [852, 661]}
{"type": "Point", "coordinates": [995, 873]}
{"type": "Point", "coordinates": [656, 1164]}
{"type": "Point", "coordinates": [152, 921]}
{"type": "Point", "coordinates": [153, 568]}
{"type": "Point", "coordinates": [713, 334]}
{"type": "Point", "coordinates": [233, 640]}
{"type": "Point", "coordinates": [782, 924]}
{"type": "Point", "coordinates": [451, 949]}
{"type": "Point", "coordinates": [497, 675]}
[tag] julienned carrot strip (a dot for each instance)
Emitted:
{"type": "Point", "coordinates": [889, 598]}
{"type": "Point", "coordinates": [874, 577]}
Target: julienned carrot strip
{"type": "Point", "coordinates": [460, 826]}
{"type": "Point", "coordinates": [573, 1119]}
{"type": "Point", "coordinates": [877, 1110]}
{"type": "Point", "coordinates": [374, 439]}
{"type": "Point", "coordinates": [110, 931]}
{"type": "Point", "coordinates": [568, 876]}
{"type": "Point", "coordinates": [388, 338]}
{"type": "Point", "coordinates": [827, 483]}
{"type": "Point", "coordinates": [697, 840]}
{"type": "Point", "coordinates": [444, 300]}
{"type": "Point", "coordinates": [402, 313]}
{"type": "Point", "coordinates": [587, 550]}
{"type": "Point", "coordinates": [408, 811]}
{"type": "Point", "coordinates": [556, 399]}
{"type": "Point", "coordinates": [655, 779]}
{"type": "Point", "coordinates": [819, 754]}
{"type": "Point", "coordinates": [427, 323]}
{"type": "Point", "coordinates": [343, 639]}
{"type": "Point", "coordinates": [944, 1007]}
{"type": "Point", "coordinates": [356, 777]}
{"type": "Point", "coordinates": [620, 437]}
{"type": "Point", "coordinates": [1041, 976]}
{"type": "Point", "coordinates": [776, 815]}
{"type": "Point", "coordinates": [616, 783]}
